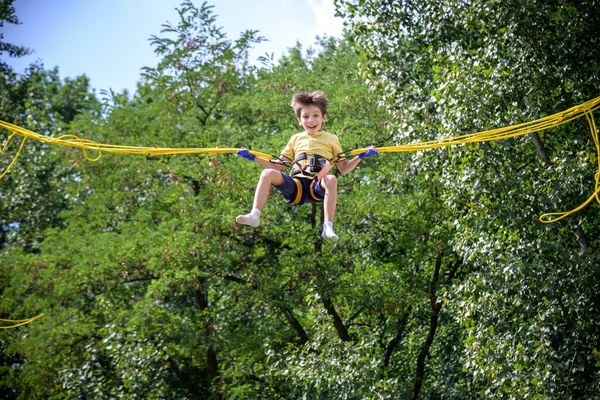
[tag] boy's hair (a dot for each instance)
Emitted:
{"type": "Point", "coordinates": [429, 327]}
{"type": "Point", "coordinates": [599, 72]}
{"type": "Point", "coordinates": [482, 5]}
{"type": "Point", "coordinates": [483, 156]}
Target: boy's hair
{"type": "Point", "coordinates": [301, 100]}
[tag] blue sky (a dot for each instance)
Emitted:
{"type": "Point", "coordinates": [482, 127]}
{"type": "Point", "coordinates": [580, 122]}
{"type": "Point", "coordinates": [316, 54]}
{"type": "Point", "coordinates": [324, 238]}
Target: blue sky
{"type": "Point", "coordinates": [107, 40]}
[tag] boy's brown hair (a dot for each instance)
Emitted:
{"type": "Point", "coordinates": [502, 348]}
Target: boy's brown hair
{"type": "Point", "coordinates": [301, 100]}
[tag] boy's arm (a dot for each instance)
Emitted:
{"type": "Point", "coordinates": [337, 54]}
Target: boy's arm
{"type": "Point", "coordinates": [346, 166]}
{"type": "Point", "coordinates": [283, 161]}
{"type": "Point", "coordinates": [243, 152]}
{"type": "Point", "coordinates": [268, 164]}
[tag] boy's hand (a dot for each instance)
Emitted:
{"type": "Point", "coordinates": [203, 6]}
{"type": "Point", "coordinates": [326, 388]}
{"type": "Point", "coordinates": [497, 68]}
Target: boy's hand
{"type": "Point", "coordinates": [246, 154]}
{"type": "Point", "coordinates": [369, 153]}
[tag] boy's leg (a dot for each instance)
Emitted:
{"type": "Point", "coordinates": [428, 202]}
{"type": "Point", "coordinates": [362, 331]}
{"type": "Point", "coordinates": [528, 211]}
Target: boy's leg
{"type": "Point", "coordinates": [330, 184]}
{"type": "Point", "coordinates": [267, 178]}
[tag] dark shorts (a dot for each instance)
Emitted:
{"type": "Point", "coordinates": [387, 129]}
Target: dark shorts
{"type": "Point", "coordinates": [298, 190]}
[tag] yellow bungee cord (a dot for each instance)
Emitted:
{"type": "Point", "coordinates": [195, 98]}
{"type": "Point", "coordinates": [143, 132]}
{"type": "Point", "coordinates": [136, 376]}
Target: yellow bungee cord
{"type": "Point", "coordinates": [18, 322]}
{"type": "Point", "coordinates": [585, 109]}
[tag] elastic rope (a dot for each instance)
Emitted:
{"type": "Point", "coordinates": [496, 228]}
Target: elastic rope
{"type": "Point", "coordinates": [490, 135]}
{"type": "Point", "coordinates": [19, 322]}
{"type": "Point", "coordinates": [547, 217]}
{"type": "Point", "coordinates": [14, 160]}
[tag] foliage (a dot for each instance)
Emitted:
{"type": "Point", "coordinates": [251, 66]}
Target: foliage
{"type": "Point", "coordinates": [7, 14]}
{"type": "Point", "coordinates": [463, 67]}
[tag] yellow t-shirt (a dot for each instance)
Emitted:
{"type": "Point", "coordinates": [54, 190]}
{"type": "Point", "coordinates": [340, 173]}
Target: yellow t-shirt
{"type": "Point", "coordinates": [322, 143]}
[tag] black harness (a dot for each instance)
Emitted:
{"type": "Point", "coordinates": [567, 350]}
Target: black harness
{"type": "Point", "coordinates": [315, 164]}
{"type": "Point", "coordinates": [317, 167]}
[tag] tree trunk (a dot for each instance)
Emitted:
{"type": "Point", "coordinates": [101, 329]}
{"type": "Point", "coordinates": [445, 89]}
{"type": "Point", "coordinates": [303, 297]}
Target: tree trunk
{"type": "Point", "coordinates": [201, 302]}
{"type": "Point", "coordinates": [185, 382]}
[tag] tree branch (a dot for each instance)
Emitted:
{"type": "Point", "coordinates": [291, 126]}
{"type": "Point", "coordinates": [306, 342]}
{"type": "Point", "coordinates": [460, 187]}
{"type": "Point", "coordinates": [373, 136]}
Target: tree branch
{"type": "Point", "coordinates": [539, 148]}
{"type": "Point", "coordinates": [291, 318]}
{"type": "Point", "coordinates": [433, 324]}
{"type": "Point", "coordinates": [189, 387]}
{"type": "Point", "coordinates": [337, 321]}
{"type": "Point", "coordinates": [581, 239]}
{"type": "Point", "coordinates": [389, 349]}
{"type": "Point", "coordinates": [287, 312]}
{"type": "Point", "coordinates": [353, 317]}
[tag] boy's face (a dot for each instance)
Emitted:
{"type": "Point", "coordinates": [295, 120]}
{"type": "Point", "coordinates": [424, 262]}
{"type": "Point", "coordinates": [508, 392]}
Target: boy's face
{"type": "Point", "coordinates": [311, 119]}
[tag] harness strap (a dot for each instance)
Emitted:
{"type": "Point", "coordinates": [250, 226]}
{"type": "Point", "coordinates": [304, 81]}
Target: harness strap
{"type": "Point", "coordinates": [316, 177]}
{"type": "Point", "coordinates": [298, 197]}
{"type": "Point", "coordinates": [323, 172]}
{"type": "Point", "coordinates": [311, 188]}
{"type": "Point", "coordinates": [312, 191]}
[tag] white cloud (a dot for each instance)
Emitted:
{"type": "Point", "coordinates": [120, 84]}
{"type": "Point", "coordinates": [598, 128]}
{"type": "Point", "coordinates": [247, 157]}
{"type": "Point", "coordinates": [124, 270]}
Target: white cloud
{"type": "Point", "coordinates": [325, 20]}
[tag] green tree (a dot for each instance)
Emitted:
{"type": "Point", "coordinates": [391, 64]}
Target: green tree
{"type": "Point", "coordinates": [33, 194]}
{"type": "Point", "coordinates": [33, 189]}
{"type": "Point", "coordinates": [149, 287]}
{"type": "Point", "coordinates": [442, 285]}
{"type": "Point", "coordinates": [525, 307]}
{"type": "Point", "coordinates": [7, 14]}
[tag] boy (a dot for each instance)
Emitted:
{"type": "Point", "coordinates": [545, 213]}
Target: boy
{"type": "Point", "coordinates": [308, 153]}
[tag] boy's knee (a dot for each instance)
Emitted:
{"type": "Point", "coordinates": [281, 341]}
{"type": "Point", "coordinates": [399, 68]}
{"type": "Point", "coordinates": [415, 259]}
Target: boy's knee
{"type": "Point", "coordinates": [330, 181]}
{"type": "Point", "coordinates": [270, 175]}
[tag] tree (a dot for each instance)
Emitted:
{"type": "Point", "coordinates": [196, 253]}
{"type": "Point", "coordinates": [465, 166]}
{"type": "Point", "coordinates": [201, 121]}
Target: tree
{"type": "Point", "coordinates": [450, 68]}
{"type": "Point", "coordinates": [32, 195]}
{"type": "Point", "coordinates": [439, 287]}
{"type": "Point", "coordinates": [7, 14]}
{"type": "Point", "coordinates": [164, 294]}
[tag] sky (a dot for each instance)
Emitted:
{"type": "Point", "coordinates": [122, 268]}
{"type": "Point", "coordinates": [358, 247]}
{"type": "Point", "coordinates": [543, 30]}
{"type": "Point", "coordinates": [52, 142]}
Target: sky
{"type": "Point", "coordinates": [107, 40]}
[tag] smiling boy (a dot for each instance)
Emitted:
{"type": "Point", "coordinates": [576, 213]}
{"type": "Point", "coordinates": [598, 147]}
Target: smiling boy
{"type": "Point", "coordinates": [308, 153]}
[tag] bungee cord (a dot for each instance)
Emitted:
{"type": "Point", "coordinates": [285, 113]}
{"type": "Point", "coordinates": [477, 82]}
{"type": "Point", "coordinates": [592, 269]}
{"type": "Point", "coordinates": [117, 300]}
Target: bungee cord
{"type": "Point", "coordinates": [18, 322]}
{"type": "Point", "coordinates": [585, 109]}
